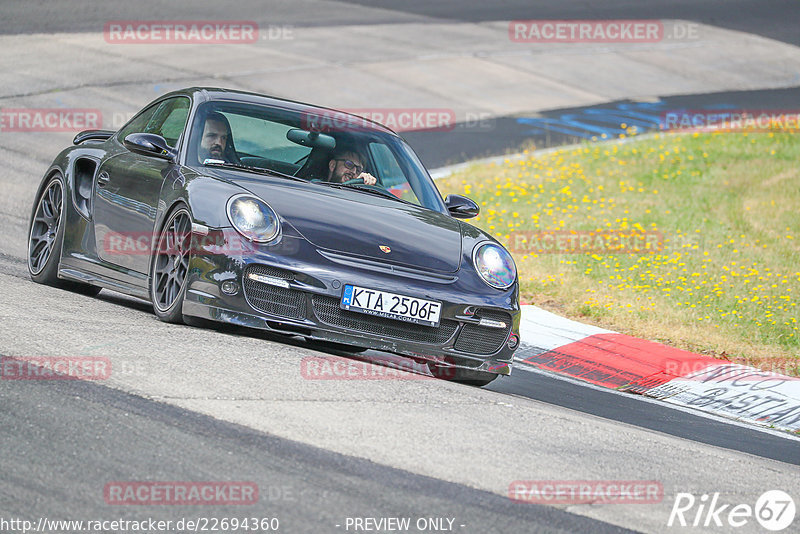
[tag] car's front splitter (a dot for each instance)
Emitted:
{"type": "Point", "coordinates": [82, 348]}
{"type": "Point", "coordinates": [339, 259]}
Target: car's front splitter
{"type": "Point", "coordinates": [196, 304]}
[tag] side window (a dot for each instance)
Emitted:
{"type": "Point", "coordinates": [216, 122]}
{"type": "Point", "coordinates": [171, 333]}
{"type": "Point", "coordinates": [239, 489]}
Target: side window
{"type": "Point", "coordinates": [139, 122]}
{"type": "Point", "coordinates": [390, 174]}
{"type": "Point", "coordinates": [387, 168]}
{"type": "Point", "coordinates": [167, 119]}
{"type": "Point", "coordinates": [174, 113]}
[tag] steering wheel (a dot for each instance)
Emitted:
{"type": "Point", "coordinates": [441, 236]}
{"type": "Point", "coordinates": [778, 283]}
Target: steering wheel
{"type": "Point", "coordinates": [360, 181]}
{"type": "Point", "coordinates": [362, 185]}
{"type": "Point", "coordinates": [354, 181]}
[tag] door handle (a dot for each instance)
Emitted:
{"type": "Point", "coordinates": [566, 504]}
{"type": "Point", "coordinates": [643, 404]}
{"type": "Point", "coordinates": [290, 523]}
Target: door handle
{"type": "Point", "coordinates": [103, 179]}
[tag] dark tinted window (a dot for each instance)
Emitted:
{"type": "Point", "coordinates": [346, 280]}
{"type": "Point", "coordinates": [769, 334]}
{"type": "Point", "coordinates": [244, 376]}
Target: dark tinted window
{"type": "Point", "coordinates": [166, 118]}
{"type": "Point", "coordinates": [304, 145]}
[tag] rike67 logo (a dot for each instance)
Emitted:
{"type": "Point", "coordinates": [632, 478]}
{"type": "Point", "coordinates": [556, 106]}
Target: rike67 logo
{"type": "Point", "coordinates": [774, 510]}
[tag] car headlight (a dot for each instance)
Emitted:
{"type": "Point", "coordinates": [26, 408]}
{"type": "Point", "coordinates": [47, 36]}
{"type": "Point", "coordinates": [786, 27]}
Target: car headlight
{"type": "Point", "coordinates": [495, 265]}
{"type": "Point", "coordinates": [253, 218]}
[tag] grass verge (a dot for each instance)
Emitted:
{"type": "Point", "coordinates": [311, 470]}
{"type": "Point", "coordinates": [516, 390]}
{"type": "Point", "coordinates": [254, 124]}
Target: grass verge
{"type": "Point", "coordinates": [687, 239]}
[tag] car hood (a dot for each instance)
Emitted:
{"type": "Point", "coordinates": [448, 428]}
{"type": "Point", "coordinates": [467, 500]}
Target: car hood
{"type": "Point", "coordinates": [359, 224]}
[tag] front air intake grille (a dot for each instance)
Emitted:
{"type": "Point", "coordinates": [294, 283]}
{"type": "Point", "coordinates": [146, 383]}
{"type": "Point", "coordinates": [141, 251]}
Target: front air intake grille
{"type": "Point", "coordinates": [270, 271]}
{"type": "Point", "coordinates": [476, 339]}
{"type": "Point", "coordinates": [274, 300]}
{"type": "Point", "coordinates": [328, 311]}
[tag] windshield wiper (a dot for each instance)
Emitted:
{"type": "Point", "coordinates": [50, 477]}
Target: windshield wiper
{"type": "Point", "coordinates": [365, 189]}
{"type": "Point", "coordinates": [259, 170]}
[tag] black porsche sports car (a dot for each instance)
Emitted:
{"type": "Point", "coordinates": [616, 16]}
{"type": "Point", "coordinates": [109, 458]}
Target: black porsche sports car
{"type": "Point", "coordinates": [220, 205]}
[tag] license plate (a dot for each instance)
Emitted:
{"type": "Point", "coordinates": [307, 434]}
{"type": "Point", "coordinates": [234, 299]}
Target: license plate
{"type": "Point", "coordinates": [391, 305]}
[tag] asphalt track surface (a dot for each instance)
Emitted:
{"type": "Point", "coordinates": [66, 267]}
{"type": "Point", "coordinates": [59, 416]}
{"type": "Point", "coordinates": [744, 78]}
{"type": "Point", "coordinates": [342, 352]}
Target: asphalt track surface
{"type": "Point", "coordinates": [545, 387]}
{"type": "Point", "coordinates": [62, 441]}
{"type": "Point", "coordinates": [62, 458]}
{"type": "Point", "coordinates": [770, 18]}
{"type": "Point", "coordinates": [776, 19]}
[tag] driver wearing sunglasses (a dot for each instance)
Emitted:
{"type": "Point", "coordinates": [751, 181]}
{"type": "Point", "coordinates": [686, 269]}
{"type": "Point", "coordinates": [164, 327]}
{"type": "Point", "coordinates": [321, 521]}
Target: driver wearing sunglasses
{"type": "Point", "coordinates": [346, 165]}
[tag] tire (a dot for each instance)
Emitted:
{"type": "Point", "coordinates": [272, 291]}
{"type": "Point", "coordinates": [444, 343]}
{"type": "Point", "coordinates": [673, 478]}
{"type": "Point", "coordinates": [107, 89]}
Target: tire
{"type": "Point", "coordinates": [46, 239]}
{"type": "Point", "coordinates": [460, 375]}
{"type": "Point", "coordinates": [169, 269]}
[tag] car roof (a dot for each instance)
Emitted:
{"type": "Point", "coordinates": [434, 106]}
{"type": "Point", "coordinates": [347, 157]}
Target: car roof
{"type": "Point", "coordinates": [210, 94]}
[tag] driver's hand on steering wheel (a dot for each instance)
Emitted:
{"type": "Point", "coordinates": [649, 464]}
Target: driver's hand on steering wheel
{"type": "Point", "coordinates": [368, 178]}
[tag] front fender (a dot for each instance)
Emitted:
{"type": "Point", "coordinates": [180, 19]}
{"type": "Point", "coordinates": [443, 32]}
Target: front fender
{"type": "Point", "coordinates": [205, 196]}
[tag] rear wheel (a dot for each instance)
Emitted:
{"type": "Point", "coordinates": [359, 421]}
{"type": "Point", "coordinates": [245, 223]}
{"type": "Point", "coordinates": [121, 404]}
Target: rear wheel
{"type": "Point", "coordinates": [460, 375]}
{"type": "Point", "coordinates": [46, 238]}
{"type": "Point", "coordinates": [170, 267]}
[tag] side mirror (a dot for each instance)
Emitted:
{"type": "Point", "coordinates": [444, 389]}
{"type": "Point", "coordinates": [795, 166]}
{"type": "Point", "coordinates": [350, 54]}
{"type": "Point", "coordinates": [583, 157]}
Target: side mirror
{"type": "Point", "coordinates": [149, 144]}
{"type": "Point", "coordinates": [461, 207]}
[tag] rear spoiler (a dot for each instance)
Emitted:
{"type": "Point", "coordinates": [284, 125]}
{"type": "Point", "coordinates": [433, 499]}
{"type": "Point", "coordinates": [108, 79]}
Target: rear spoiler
{"type": "Point", "coordinates": [92, 135]}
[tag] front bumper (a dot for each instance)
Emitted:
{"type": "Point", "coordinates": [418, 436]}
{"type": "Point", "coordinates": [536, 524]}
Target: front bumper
{"type": "Point", "coordinates": [304, 287]}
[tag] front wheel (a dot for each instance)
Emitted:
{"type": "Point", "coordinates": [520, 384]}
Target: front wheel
{"type": "Point", "coordinates": [46, 238]}
{"type": "Point", "coordinates": [170, 266]}
{"type": "Point", "coordinates": [462, 376]}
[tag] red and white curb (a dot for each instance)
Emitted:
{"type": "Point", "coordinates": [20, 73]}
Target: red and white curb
{"type": "Point", "coordinates": [624, 363]}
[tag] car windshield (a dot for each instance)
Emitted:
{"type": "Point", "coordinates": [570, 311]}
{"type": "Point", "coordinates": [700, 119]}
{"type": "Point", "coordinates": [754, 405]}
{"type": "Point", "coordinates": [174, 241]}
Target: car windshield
{"type": "Point", "coordinates": [330, 148]}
